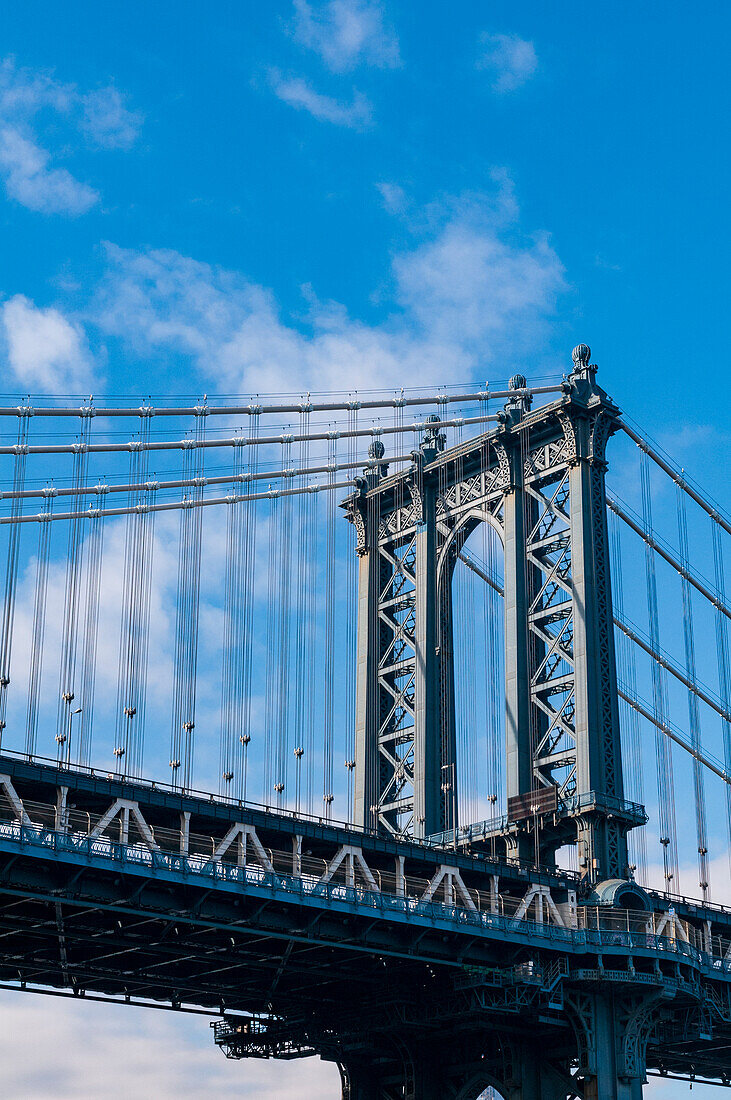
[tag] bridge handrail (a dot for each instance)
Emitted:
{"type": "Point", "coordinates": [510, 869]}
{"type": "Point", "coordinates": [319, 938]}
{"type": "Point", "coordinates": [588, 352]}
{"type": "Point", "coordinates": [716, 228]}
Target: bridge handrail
{"type": "Point", "coordinates": [285, 815]}
{"type": "Point", "coordinates": [170, 839]}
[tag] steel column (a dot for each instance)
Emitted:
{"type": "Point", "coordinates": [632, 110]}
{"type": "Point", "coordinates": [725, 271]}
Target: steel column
{"type": "Point", "coordinates": [367, 692]}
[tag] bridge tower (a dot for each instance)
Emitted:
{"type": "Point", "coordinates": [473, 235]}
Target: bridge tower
{"type": "Point", "coordinates": [538, 479]}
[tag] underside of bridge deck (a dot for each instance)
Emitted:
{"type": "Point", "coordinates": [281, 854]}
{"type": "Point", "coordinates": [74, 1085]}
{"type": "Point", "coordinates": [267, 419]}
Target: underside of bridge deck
{"type": "Point", "coordinates": [408, 1010]}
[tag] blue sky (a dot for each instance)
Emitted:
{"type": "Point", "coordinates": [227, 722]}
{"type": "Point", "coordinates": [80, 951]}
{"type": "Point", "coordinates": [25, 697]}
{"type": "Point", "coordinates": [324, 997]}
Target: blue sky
{"type": "Point", "coordinates": [316, 196]}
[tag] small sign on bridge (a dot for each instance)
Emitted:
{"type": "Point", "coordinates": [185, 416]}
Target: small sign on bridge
{"type": "Point", "coordinates": [522, 806]}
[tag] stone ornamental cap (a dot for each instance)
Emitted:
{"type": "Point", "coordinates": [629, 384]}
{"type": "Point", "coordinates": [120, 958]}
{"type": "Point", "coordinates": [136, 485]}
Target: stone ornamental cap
{"type": "Point", "coordinates": [376, 449]}
{"type": "Point", "coordinates": [518, 382]}
{"type": "Point", "coordinates": [581, 355]}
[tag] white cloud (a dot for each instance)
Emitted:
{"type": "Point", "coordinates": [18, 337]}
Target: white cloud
{"type": "Point", "coordinates": [108, 121]}
{"type": "Point", "coordinates": [393, 196]}
{"type": "Point", "coordinates": [23, 93]}
{"type": "Point", "coordinates": [30, 181]}
{"type": "Point", "coordinates": [45, 351]}
{"type": "Point", "coordinates": [299, 94]}
{"type": "Point", "coordinates": [470, 289]}
{"type": "Point", "coordinates": [346, 33]}
{"type": "Point", "coordinates": [124, 1058]}
{"type": "Point", "coordinates": [472, 282]}
{"type": "Point", "coordinates": [26, 166]}
{"type": "Point", "coordinates": [511, 59]}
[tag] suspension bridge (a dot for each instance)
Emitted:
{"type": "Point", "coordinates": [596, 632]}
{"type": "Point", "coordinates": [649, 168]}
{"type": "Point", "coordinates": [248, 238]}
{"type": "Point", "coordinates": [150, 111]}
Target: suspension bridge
{"type": "Point", "coordinates": [401, 739]}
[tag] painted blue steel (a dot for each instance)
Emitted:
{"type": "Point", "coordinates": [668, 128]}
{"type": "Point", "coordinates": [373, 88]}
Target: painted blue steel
{"type": "Point", "coordinates": [52, 847]}
{"type": "Point", "coordinates": [497, 826]}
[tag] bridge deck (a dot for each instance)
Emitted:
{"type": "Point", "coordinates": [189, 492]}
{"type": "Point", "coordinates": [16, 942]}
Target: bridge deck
{"type": "Point", "coordinates": [119, 889]}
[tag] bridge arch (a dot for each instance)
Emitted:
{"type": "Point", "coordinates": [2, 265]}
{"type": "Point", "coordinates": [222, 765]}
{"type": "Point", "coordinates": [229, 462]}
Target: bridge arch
{"type": "Point", "coordinates": [477, 619]}
{"type": "Point", "coordinates": [459, 534]}
{"type": "Point", "coordinates": [481, 1086]}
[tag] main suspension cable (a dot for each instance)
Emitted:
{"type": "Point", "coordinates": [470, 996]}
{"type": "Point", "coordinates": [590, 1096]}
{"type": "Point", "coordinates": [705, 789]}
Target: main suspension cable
{"type": "Point", "coordinates": [236, 477]}
{"type": "Point", "coordinates": [256, 410]}
{"type": "Point", "coordinates": [681, 481]}
{"type": "Point", "coordinates": [653, 542]}
{"type": "Point", "coordinates": [235, 441]}
{"type": "Point", "coordinates": [647, 711]}
{"type": "Point", "coordinates": [188, 503]}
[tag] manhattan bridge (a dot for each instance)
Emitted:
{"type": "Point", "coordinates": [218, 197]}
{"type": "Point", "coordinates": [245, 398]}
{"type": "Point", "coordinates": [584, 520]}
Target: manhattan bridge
{"type": "Point", "coordinates": [460, 689]}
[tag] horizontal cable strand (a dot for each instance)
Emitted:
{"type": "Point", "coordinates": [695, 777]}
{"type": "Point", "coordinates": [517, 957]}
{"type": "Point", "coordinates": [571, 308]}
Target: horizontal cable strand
{"type": "Point", "coordinates": [253, 409]}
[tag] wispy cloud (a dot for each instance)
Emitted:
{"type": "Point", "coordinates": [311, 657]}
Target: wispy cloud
{"type": "Point", "coordinates": [124, 1059]}
{"type": "Point", "coordinates": [31, 182]}
{"type": "Point", "coordinates": [511, 59]}
{"type": "Point", "coordinates": [472, 288]}
{"type": "Point", "coordinates": [107, 119]}
{"type": "Point", "coordinates": [299, 94]}
{"type": "Point", "coordinates": [347, 33]}
{"type": "Point", "coordinates": [393, 196]}
{"type": "Point", "coordinates": [45, 351]}
{"type": "Point", "coordinates": [26, 166]}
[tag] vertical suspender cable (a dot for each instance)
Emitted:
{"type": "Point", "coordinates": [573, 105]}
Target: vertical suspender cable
{"type": "Point", "coordinates": [187, 611]}
{"type": "Point", "coordinates": [72, 600]}
{"type": "Point", "coordinates": [724, 671]}
{"type": "Point", "coordinates": [40, 599]}
{"type": "Point", "coordinates": [272, 650]}
{"type": "Point", "coordinates": [94, 545]}
{"type": "Point", "coordinates": [246, 652]}
{"type": "Point", "coordinates": [312, 542]}
{"type": "Point", "coordinates": [302, 550]}
{"type": "Point", "coordinates": [11, 569]}
{"type": "Point", "coordinates": [135, 616]}
{"type": "Point", "coordinates": [693, 709]}
{"type": "Point", "coordinates": [231, 728]}
{"type": "Point", "coordinates": [329, 662]}
{"type": "Point", "coordinates": [350, 611]}
{"type": "Point", "coordinates": [666, 787]}
{"type": "Point", "coordinates": [284, 613]}
{"type": "Point", "coordinates": [634, 774]}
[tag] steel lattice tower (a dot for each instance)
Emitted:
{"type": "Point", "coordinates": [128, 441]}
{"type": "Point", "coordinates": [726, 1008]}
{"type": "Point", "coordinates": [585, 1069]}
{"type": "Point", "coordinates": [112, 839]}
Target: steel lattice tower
{"type": "Point", "coordinates": [539, 481]}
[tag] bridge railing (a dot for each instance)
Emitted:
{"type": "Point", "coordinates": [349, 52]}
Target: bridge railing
{"type": "Point", "coordinates": [180, 791]}
{"type": "Point", "coordinates": [443, 841]}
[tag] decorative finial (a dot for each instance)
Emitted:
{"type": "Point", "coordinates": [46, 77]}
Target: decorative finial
{"type": "Point", "coordinates": [376, 449]}
{"type": "Point", "coordinates": [581, 355]}
{"type": "Point", "coordinates": [433, 419]}
{"type": "Point", "coordinates": [518, 382]}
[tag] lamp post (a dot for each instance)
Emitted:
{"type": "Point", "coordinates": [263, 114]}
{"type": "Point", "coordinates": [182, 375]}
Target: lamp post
{"type": "Point", "coordinates": [245, 738]}
{"type": "Point", "coordinates": [449, 790]}
{"type": "Point", "coordinates": [299, 753]}
{"type": "Point", "coordinates": [64, 739]}
{"type": "Point", "coordinates": [350, 764]}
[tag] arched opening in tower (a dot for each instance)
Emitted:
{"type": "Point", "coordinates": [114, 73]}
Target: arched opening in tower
{"type": "Point", "coordinates": [479, 676]}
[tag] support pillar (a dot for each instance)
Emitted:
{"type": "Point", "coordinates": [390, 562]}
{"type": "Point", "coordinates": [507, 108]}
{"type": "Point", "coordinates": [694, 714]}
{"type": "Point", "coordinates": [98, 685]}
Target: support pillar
{"type": "Point", "coordinates": [517, 573]}
{"type": "Point", "coordinates": [367, 690]}
{"type": "Point", "coordinates": [596, 718]}
{"type": "Point", "coordinates": [612, 1034]}
{"type": "Point", "coordinates": [519, 760]}
{"type": "Point", "coordinates": [432, 810]}
{"type": "Point", "coordinates": [359, 1083]}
